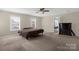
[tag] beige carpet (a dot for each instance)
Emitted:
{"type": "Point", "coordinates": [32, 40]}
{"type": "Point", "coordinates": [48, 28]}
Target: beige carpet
{"type": "Point", "coordinates": [47, 42]}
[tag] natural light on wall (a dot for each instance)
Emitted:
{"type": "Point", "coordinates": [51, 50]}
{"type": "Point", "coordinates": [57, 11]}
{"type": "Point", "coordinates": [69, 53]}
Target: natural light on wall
{"type": "Point", "coordinates": [14, 23]}
{"type": "Point", "coordinates": [56, 24]}
{"type": "Point", "coordinates": [33, 22]}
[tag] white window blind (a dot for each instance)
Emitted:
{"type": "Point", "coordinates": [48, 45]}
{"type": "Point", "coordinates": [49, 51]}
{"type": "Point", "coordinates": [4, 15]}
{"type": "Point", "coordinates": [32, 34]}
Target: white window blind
{"type": "Point", "coordinates": [14, 23]}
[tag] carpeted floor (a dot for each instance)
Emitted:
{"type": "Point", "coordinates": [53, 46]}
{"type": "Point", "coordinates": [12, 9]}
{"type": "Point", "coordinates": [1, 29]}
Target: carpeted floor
{"type": "Point", "coordinates": [47, 42]}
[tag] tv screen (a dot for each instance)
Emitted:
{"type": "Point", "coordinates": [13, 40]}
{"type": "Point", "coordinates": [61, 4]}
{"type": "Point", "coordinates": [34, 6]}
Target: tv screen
{"type": "Point", "coordinates": [65, 26]}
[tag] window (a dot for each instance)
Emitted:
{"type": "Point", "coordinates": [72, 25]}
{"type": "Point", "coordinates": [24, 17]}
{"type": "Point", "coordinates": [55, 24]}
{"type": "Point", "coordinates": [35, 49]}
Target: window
{"type": "Point", "coordinates": [14, 23]}
{"type": "Point", "coordinates": [56, 24]}
{"type": "Point", "coordinates": [33, 22]}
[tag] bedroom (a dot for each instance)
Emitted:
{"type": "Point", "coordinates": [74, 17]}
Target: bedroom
{"type": "Point", "coordinates": [10, 40]}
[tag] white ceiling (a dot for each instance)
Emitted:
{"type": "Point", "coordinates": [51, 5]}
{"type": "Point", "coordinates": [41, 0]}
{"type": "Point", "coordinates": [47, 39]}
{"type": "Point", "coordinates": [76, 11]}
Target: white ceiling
{"type": "Point", "coordinates": [32, 11]}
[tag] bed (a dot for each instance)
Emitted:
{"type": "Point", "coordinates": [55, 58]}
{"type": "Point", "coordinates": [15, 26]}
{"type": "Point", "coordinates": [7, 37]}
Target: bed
{"type": "Point", "coordinates": [30, 32]}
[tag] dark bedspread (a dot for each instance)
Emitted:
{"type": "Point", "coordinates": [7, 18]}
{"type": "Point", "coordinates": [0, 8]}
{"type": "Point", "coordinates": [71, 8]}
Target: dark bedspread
{"type": "Point", "coordinates": [30, 32]}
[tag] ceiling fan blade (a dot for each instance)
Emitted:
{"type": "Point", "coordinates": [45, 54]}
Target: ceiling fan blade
{"type": "Point", "coordinates": [46, 10]}
{"type": "Point", "coordinates": [41, 9]}
{"type": "Point", "coordinates": [37, 11]}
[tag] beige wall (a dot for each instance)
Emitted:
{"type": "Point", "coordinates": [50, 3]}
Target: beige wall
{"type": "Point", "coordinates": [48, 24]}
{"type": "Point", "coordinates": [5, 21]}
{"type": "Point", "coordinates": [38, 22]}
{"type": "Point", "coordinates": [72, 18]}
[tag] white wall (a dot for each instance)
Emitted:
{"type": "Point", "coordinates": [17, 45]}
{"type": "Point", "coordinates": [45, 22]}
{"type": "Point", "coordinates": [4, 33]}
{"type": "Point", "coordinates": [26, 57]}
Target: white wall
{"type": "Point", "coordinates": [38, 22]}
{"type": "Point", "coordinates": [72, 18]}
{"type": "Point", "coordinates": [48, 24]}
{"type": "Point", "coordinates": [5, 22]}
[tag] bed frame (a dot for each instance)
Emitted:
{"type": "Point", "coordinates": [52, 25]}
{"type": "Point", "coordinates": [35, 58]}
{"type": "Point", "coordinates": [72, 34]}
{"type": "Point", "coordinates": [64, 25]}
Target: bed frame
{"type": "Point", "coordinates": [27, 33]}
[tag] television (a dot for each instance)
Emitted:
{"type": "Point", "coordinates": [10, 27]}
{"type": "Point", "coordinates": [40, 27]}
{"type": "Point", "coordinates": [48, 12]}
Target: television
{"type": "Point", "coordinates": [65, 28]}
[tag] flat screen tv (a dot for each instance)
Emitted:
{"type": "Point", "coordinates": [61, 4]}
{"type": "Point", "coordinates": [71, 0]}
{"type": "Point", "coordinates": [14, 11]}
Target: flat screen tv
{"type": "Point", "coordinates": [65, 28]}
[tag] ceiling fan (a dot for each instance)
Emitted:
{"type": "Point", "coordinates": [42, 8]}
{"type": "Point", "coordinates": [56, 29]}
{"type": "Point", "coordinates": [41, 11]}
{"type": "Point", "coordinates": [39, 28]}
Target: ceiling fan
{"type": "Point", "coordinates": [43, 10]}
